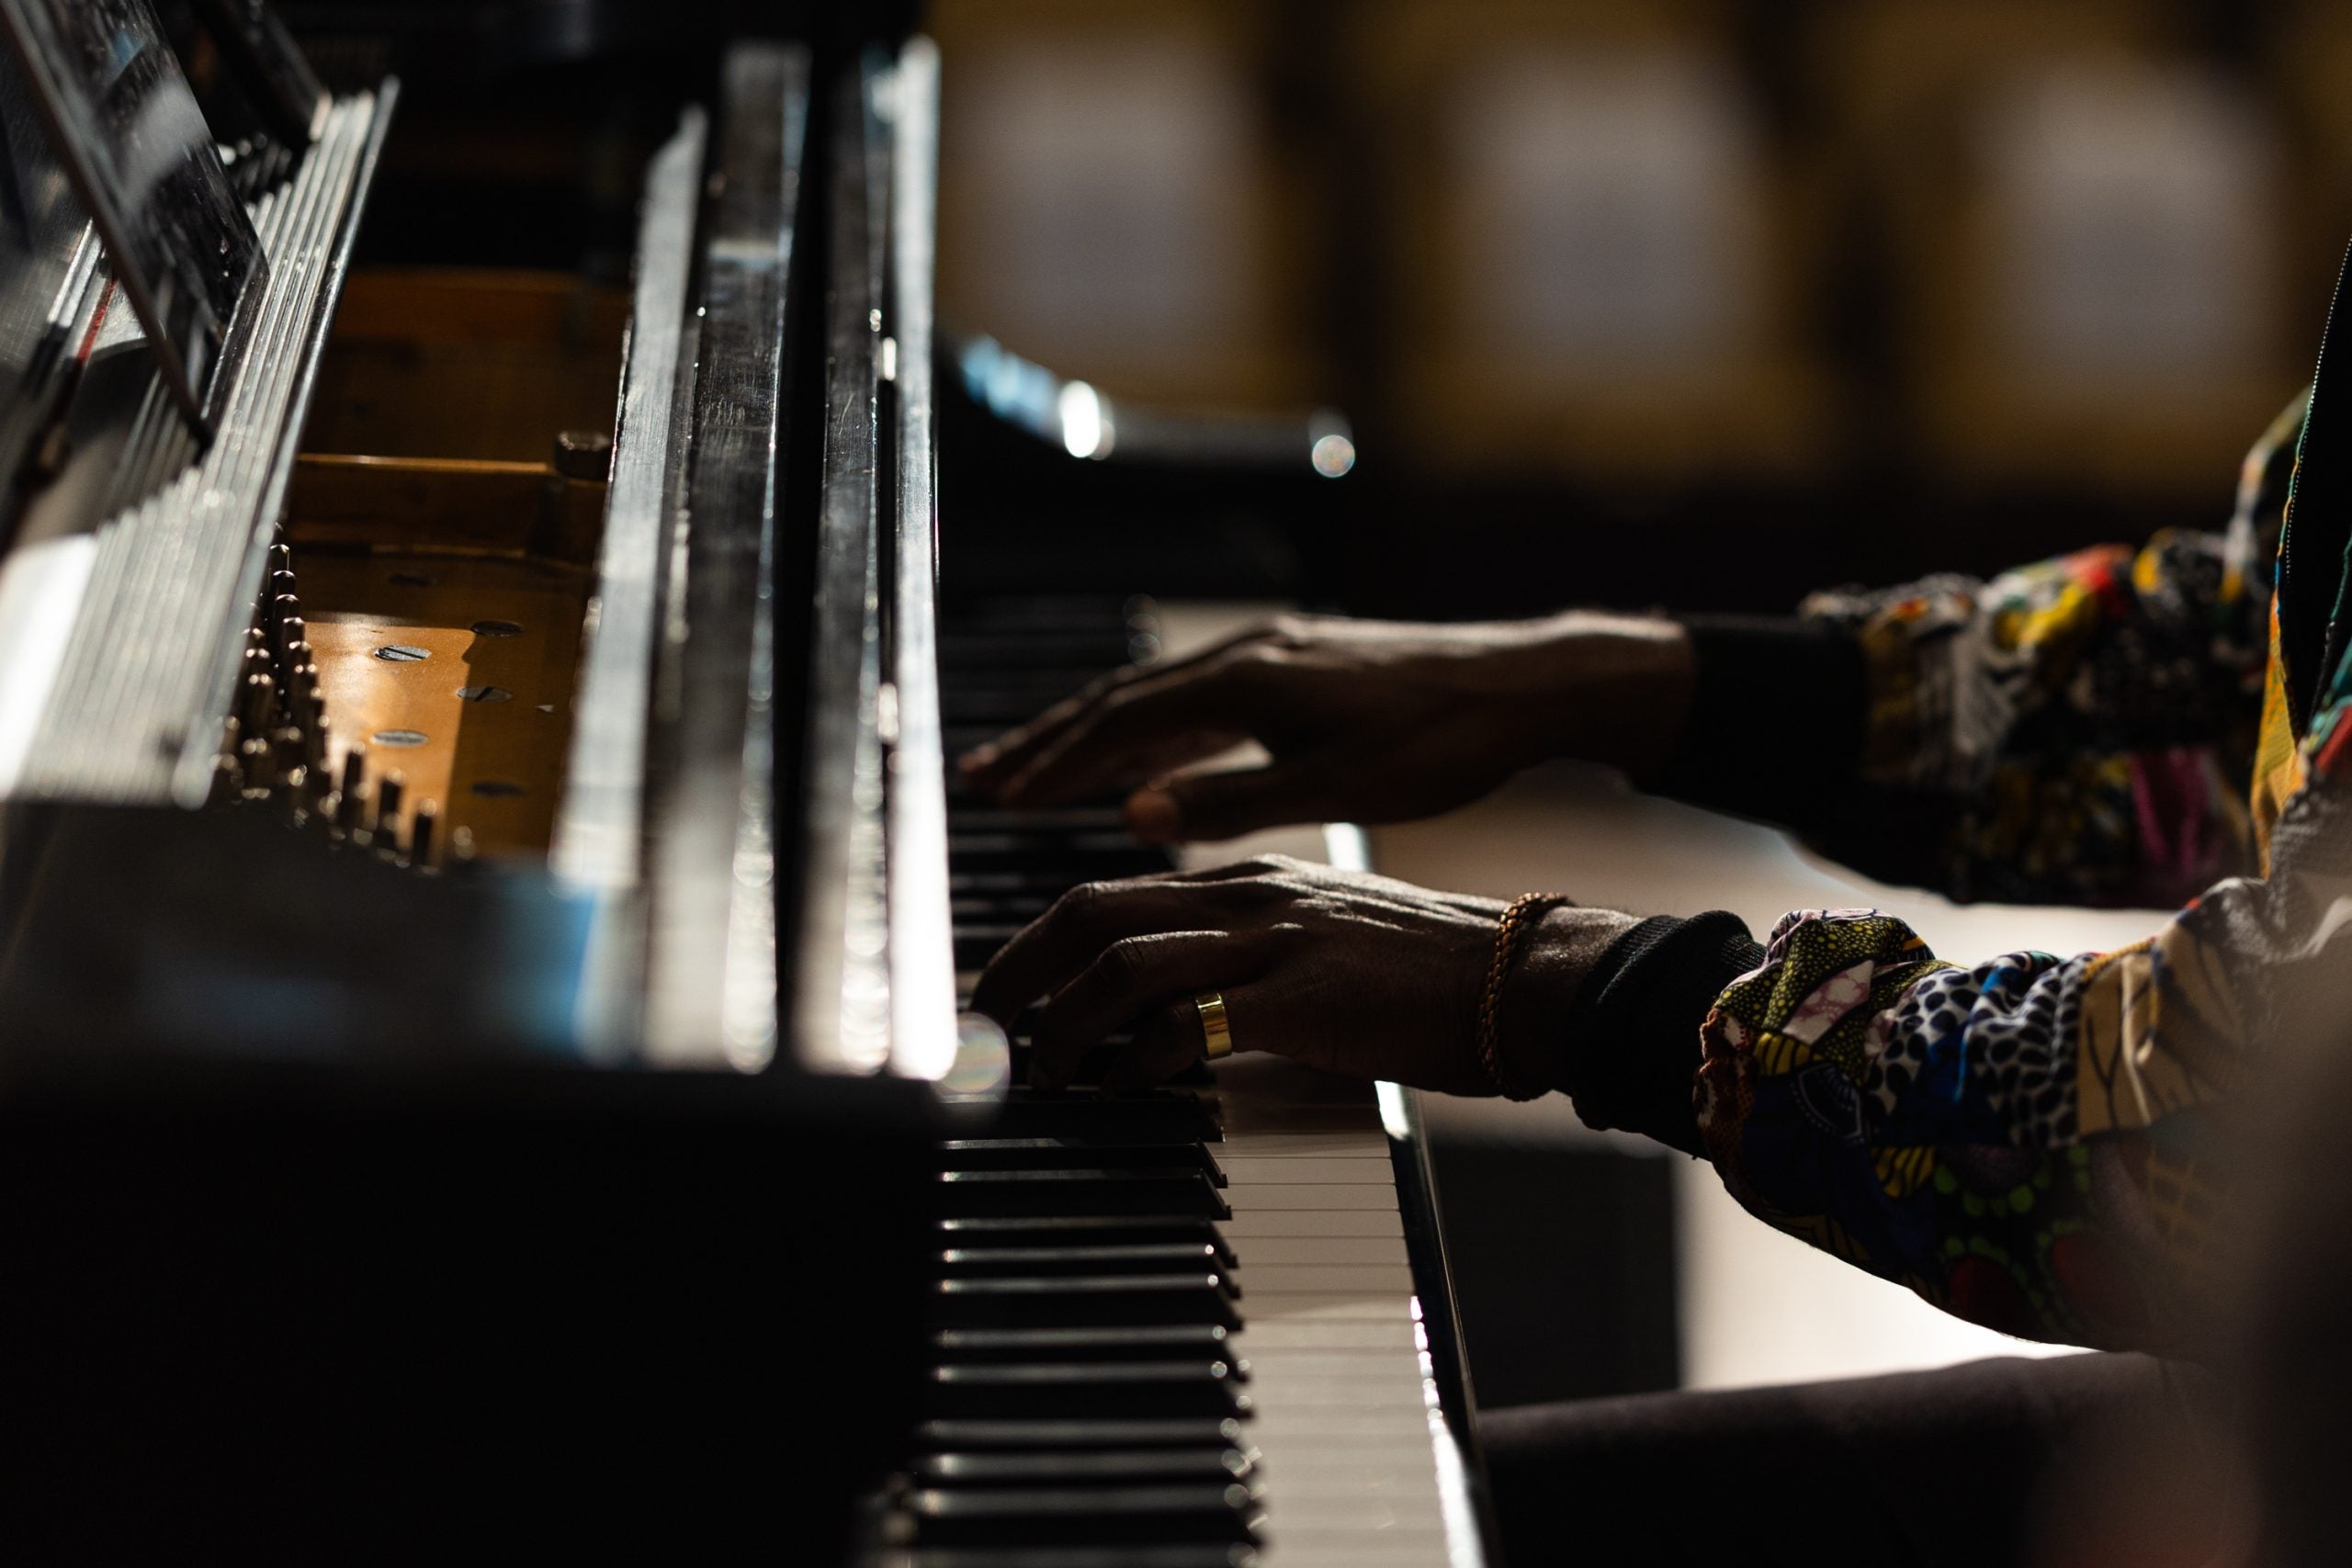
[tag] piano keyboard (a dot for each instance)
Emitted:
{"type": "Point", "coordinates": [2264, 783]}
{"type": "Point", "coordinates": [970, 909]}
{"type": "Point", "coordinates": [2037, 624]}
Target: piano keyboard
{"type": "Point", "coordinates": [1171, 1330]}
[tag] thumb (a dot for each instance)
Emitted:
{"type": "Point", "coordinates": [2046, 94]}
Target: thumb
{"type": "Point", "coordinates": [1228, 804]}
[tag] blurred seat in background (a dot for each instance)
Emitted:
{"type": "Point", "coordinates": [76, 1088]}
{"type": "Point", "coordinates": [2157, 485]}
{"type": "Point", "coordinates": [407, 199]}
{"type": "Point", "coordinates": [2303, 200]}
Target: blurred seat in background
{"type": "Point", "coordinates": [1110, 205]}
{"type": "Point", "coordinates": [2082, 220]}
{"type": "Point", "coordinates": [2307, 51]}
{"type": "Point", "coordinates": [1596, 248]}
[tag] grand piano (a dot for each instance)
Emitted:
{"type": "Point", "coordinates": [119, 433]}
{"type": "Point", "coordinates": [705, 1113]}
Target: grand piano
{"type": "Point", "coordinates": [486, 911]}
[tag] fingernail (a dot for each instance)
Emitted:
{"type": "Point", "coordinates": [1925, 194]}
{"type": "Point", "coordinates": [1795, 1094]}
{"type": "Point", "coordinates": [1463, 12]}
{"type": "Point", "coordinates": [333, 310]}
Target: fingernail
{"type": "Point", "coordinates": [1154, 815]}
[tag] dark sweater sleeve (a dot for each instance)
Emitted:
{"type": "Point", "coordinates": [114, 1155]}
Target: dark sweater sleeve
{"type": "Point", "coordinates": [1629, 1048]}
{"type": "Point", "coordinates": [1776, 718]}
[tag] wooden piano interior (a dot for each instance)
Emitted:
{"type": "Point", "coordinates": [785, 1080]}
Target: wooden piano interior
{"type": "Point", "coordinates": [444, 524]}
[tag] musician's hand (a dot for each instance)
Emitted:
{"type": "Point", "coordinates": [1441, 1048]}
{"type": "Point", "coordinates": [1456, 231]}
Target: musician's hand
{"type": "Point", "coordinates": [1366, 721]}
{"type": "Point", "coordinates": [1344, 971]}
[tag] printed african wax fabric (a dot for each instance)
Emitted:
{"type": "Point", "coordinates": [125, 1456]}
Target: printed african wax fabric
{"type": "Point", "coordinates": [2028, 1142]}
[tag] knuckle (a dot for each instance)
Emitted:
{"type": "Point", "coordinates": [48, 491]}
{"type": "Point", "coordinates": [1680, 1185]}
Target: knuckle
{"type": "Point", "coordinates": [1273, 865]}
{"type": "Point", "coordinates": [1079, 905]}
{"type": "Point", "coordinates": [1124, 962]}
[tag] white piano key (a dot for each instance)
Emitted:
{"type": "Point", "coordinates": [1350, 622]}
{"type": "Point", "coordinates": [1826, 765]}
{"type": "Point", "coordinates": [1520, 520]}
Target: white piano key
{"type": "Point", "coordinates": [1332, 1308]}
{"type": "Point", "coordinates": [1389, 1513]}
{"type": "Point", "coordinates": [1259, 1196]}
{"type": "Point", "coordinates": [1261, 1279]}
{"type": "Point", "coordinates": [1270, 1336]}
{"type": "Point", "coordinates": [1320, 1394]}
{"type": "Point", "coordinates": [1323, 1249]}
{"type": "Point", "coordinates": [1271, 1145]}
{"type": "Point", "coordinates": [1299, 1170]}
{"type": "Point", "coordinates": [1250, 1225]}
{"type": "Point", "coordinates": [1367, 1549]}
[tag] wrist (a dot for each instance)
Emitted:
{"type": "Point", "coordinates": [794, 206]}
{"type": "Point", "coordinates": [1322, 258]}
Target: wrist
{"type": "Point", "coordinates": [1555, 957]}
{"type": "Point", "coordinates": [1619, 687]}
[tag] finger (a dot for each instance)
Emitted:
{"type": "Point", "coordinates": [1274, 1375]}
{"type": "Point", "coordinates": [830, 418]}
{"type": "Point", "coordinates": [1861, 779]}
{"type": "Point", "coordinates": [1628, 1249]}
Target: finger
{"type": "Point", "coordinates": [1228, 804]}
{"type": "Point", "coordinates": [1045, 956]}
{"type": "Point", "coordinates": [1167, 1039]}
{"type": "Point", "coordinates": [1140, 724]}
{"type": "Point", "coordinates": [987, 766]}
{"type": "Point", "coordinates": [1118, 747]}
{"type": "Point", "coordinates": [1171, 1037]}
{"type": "Point", "coordinates": [1127, 980]}
{"type": "Point", "coordinates": [1134, 734]}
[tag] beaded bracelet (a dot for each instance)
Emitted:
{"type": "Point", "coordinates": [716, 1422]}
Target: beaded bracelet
{"type": "Point", "coordinates": [1526, 910]}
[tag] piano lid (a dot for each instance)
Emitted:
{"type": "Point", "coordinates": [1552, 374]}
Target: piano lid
{"type": "Point", "coordinates": [126, 128]}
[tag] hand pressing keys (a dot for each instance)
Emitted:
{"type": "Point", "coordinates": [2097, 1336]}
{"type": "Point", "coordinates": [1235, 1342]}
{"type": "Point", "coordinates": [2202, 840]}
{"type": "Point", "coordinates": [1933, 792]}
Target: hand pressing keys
{"type": "Point", "coordinates": [1365, 721]}
{"type": "Point", "coordinates": [1342, 971]}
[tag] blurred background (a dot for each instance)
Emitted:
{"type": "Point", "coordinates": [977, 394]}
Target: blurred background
{"type": "Point", "coordinates": [1687, 302]}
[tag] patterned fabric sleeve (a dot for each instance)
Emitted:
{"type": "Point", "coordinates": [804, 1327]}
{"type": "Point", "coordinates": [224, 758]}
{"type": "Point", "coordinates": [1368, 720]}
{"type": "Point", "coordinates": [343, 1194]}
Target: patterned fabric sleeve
{"type": "Point", "coordinates": [2034, 1143]}
{"type": "Point", "coordinates": [2092, 717]}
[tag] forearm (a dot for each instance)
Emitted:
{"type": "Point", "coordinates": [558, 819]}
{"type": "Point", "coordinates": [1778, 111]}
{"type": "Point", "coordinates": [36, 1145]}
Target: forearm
{"type": "Point", "coordinates": [1774, 724]}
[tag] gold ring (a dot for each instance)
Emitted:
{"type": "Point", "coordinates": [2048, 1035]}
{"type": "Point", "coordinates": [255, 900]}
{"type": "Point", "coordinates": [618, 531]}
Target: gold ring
{"type": "Point", "coordinates": [1213, 1027]}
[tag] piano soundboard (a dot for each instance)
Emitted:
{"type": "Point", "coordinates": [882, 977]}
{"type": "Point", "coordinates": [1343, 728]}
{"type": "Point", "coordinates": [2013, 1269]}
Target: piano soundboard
{"type": "Point", "coordinates": [487, 914]}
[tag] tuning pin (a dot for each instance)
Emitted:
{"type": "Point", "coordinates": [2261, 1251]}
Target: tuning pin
{"type": "Point", "coordinates": [295, 790]}
{"type": "Point", "coordinates": [260, 697]}
{"type": "Point", "coordinates": [461, 845]}
{"type": "Point", "coordinates": [316, 751]}
{"type": "Point", "coordinates": [419, 833]}
{"type": "Point", "coordinates": [281, 555]}
{"type": "Point", "coordinates": [302, 695]}
{"type": "Point", "coordinates": [258, 763]}
{"type": "Point", "coordinates": [388, 809]}
{"type": "Point", "coordinates": [350, 807]}
{"type": "Point", "coordinates": [287, 741]}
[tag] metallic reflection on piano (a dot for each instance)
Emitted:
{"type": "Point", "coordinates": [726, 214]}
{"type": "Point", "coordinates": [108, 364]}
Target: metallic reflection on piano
{"type": "Point", "coordinates": [485, 921]}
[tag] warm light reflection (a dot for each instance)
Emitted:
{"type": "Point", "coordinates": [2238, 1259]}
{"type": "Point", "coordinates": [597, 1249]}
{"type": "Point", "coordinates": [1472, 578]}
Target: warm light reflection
{"type": "Point", "coordinates": [1081, 412]}
{"type": "Point", "coordinates": [983, 1068]}
{"type": "Point", "coordinates": [1333, 455]}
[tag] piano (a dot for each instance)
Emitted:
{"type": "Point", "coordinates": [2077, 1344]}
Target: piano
{"type": "Point", "coordinates": [486, 916]}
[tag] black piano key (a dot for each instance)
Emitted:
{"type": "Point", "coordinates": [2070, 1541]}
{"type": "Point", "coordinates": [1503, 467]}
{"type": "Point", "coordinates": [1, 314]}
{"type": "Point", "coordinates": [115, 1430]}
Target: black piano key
{"type": "Point", "coordinates": [1011, 908]}
{"type": "Point", "coordinates": [1085, 1300]}
{"type": "Point", "coordinates": [976, 944]}
{"type": "Point", "coordinates": [1011, 879]}
{"type": "Point", "coordinates": [1081, 1389]}
{"type": "Point", "coordinates": [1080, 857]}
{"type": "Point", "coordinates": [946, 1436]}
{"type": "Point", "coordinates": [1161, 1258]}
{"type": "Point", "coordinates": [1197, 1554]}
{"type": "Point", "coordinates": [1132, 1342]}
{"type": "Point", "coordinates": [1044, 1516]}
{"type": "Point", "coordinates": [1093, 1191]}
{"type": "Point", "coordinates": [1076, 1151]}
{"type": "Point", "coordinates": [1082, 1230]}
{"type": "Point", "coordinates": [1068, 1467]}
{"type": "Point", "coordinates": [1005, 701]}
{"type": "Point", "coordinates": [1049, 825]}
{"type": "Point", "coordinates": [1085, 649]}
{"type": "Point", "coordinates": [1163, 1117]}
{"type": "Point", "coordinates": [1200, 1555]}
